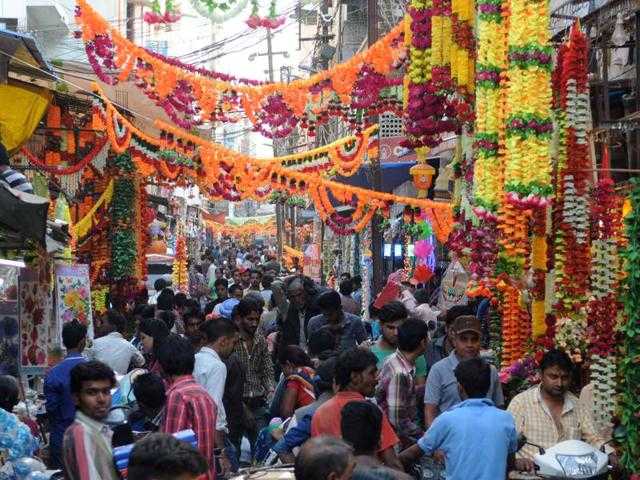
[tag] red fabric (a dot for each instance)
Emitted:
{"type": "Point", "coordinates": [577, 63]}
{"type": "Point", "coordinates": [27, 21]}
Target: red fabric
{"type": "Point", "coordinates": [304, 390]}
{"type": "Point", "coordinates": [190, 406]}
{"type": "Point", "coordinates": [326, 420]}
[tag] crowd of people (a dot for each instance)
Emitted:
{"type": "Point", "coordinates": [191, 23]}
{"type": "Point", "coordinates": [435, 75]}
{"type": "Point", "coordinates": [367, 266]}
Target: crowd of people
{"type": "Point", "coordinates": [266, 367]}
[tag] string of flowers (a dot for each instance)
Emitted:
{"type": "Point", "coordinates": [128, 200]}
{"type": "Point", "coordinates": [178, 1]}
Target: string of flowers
{"type": "Point", "coordinates": [272, 20]}
{"type": "Point", "coordinates": [99, 149]}
{"type": "Point", "coordinates": [250, 229]}
{"type": "Point", "coordinates": [572, 243]}
{"type": "Point", "coordinates": [233, 176]}
{"type": "Point", "coordinates": [629, 365]}
{"type": "Point", "coordinates": [190, 98]}
{"type": "Point", "coordinates": [527, 177]}
{"type": "Point", "coordinates": [603, 302]}
{"type": "Point", "coordinates": [219, 11]}
{"type": "Point", "coordinates": [180, 273]}
{"type": "Point", "coordinates": [489, 117]}
{"type": "Point", "coordinates": [123, 238]}
{"type": "Point", "coordinates": [155, 16]}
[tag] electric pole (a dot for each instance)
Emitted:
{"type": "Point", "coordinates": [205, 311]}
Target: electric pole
{"type": "Point", "coordinates": [377, 238]}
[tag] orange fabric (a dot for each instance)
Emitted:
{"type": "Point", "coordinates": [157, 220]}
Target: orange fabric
{"type": "Point", "coordinates": [326, 420]}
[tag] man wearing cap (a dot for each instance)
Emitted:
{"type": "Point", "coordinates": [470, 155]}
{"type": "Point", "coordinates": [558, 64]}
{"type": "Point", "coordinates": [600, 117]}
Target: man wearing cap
{"type": "Point", "coordinates": [441, 391]}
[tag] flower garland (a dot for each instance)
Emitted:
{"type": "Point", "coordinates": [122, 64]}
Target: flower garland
{"type": "Point", "coordinates": [180, 273]}
{"type": "Point", "coordinates": [515, 331]}
{"type": "Point", "coordinates": [238, 231]}
{"type": "Point", "coordinates": [603, 303]}
{"type": "Point", "coordinates": [97, 153]}
{"type": "Point", "coordinates": [219, 11]}
{"type": "Point", "coordinates": [489, 118]}
{"type": "Point", "coordinates": [272, 20]}
{"type": "Point", "coordinates": [155, 16]}
{"type": "Point", "coordinates": [123, 238]}
{"type": "Point", "coordinates": [629, 366]}
{"type": "Point", "coordinates": [190, 98]}
{"type": "Point", "coordinates": [527, 177]}
{"type": "Point", "coordinates": [82, 226]}
{"type": "Point", "coordinates": [227, 174]}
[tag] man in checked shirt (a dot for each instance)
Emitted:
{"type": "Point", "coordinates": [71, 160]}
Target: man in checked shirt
{"type": "Point", "coordinates": [188, 406]}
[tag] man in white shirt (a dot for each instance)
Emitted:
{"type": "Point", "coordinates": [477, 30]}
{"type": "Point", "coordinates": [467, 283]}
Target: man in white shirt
{"type": "Point", "coordinates": [112, 348]}
{"type": "Point", "coordinates": [210, 371]}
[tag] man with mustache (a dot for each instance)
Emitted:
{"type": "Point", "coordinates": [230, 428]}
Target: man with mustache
{"type": "Point", "coordinates": [548, 413]}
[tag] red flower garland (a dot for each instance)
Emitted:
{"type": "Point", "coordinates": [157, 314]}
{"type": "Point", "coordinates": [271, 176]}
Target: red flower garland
{"type": "Point", "coordinates": [86, 160]}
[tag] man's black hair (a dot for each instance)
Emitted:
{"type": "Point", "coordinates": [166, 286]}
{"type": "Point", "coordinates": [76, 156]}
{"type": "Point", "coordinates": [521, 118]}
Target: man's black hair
{"type": "Point", "coordinates": [160, 456]}
{"type": "Point", "coordinates": [149, 390]}
{"type": "Point", "coordinates": [361, 424]}
{"type": "Point", "coordinates": [149, 311]}
{"type": "Point", "coordinates": [325, 375]}
{"type": "Point", "coordinates": [72, 334]}
{"type": "Point", "coordinates": [373, 310]}
{"type": "Point", "coordinates": [294, 355]}
{"type": "Point", "coordinates": [221, 281]}
{"type": "Point", "coordinates": [4, 155]}
{"type": "Point", "coordinates": [320, 341]}
{"type": "Point", "coordinates": [257, 298]}
{"type": "Point", "coordinates": [422, 296]}
{"type": "Point", "coordinates": [116, 319]}
{"type": "Point", "coordinates": [354, 360]}
{"type": "Point", "coordinates": [457, 311]}
{"type": "Point", "coordinates": [245, 307]}
{"type": "Point", "coordinates": [346, 287]}
{"type": "Point", "coordinates": [392, 312]}
{"type": "Point", "coordinates": [411, 333]}
{"type": "Point", "coordinates": [474, 375]}
{"type": "Point", "coordinates": [559, 358]}
{"type": "Point", "coordinates": [176, 356]}
{"type": "Point", "coordinates": [320, 457]}
{"type": "Point", "coordinates": [329, 301]}
{"type": "Point", "coordinates": [168, 317]}
{"type": "Point", "coordinates": [235, 287]}
{"type": "Point", "coordinates": [218, 328]}
{"type": "Point", "coordinates": [192, 308]}
{"type": "Point", "coordinates": [267, 280]}
{"type": "Point", "coordinates": [180, 300]}
{"type": "Point", "coordinates": [166, 300]}
{"type": "Point", "coordinates": [9, 393]}
{"type": "Point", "coordinates": [160, 284]}
{"type": "Point", "coordinates": [92, 371]}
{"type": "Point", "coordinates": [209, 308]}
{"type": "Point", "coordinates": [356, 280]}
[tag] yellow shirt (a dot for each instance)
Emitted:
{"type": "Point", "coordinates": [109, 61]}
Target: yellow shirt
{"type": "Point", "coordinates": [534, 420]}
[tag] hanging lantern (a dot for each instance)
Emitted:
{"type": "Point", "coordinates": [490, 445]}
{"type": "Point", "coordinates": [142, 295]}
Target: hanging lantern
{"type": "Point", "coordinates": [422, 174]}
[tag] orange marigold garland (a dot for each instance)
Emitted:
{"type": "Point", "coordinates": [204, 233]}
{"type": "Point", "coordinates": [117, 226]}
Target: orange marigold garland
{"type": "Point", "coordinates": [180, 274]}
{"type": "Point", "coordinates": [190, 96]}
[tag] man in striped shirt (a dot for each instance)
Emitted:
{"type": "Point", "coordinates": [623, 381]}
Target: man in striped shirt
{"type": "Point", "coordinates": [9, 176]}
{"type": "Point", "coordinates": [86, 444]}
{"type": "Point", "coordinates": [188, 406]}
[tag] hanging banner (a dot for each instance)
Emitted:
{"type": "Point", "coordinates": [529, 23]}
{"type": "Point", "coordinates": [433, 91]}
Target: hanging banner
{"type": "Point", "coordinates": [36, 321]}
{"type": "Point", "coordinates": [73, 295]}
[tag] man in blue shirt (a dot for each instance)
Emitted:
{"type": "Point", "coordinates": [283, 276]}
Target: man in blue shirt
{"type": "Point", "coordinates": [60, 406]}
{"type": "Point", "coordinates": [475, 438]}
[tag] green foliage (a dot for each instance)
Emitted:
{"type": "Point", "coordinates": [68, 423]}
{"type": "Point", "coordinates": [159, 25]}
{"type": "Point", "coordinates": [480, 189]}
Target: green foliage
{"type": "Point", "coordinates": [123, 199]}
{"type": "Point", "coordinates": [630, 365]}
{"type": "Point", "coordinates": [123, 237]}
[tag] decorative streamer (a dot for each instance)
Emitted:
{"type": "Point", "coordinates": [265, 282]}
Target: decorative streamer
{"type": "Point", "coordinates": [85, 224]}
{"type": "Point", "coordinates": [180, 271]}
{"type": "Point", "coordinates": [223, 173]}
{"type": "Point", "coordinates": [219, 11]}
{"type": "Point", "coordinates": [123, 237]}
{"type": "Point", "coordinates": [190, 98]}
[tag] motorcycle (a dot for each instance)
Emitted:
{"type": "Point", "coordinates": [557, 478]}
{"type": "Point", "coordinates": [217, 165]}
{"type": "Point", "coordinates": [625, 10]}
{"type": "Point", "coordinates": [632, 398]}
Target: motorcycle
{"type": "Point", "coordinates": [571, 459]}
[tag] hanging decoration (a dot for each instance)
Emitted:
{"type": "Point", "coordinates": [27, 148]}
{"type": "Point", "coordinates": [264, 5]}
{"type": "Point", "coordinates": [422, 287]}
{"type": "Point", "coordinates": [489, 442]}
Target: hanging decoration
{"type": "Point", "coordinates": [602, 308]}
{"type": "Point", "coordinates": [239, 231]}
{"type": "Point", "coordinates": [219, 11]}
{"type": "Point", "coordinates": [630, 367]}
{"type": "Point", "coordinates": [438, 85]}
{"type": "Point", "coordinates": [272, 20]}
{"type": "Point", "coordinates": [123, 238]}
{"type": "Point", "coordinates": [70, 177]}
{"type": "Point", "coordinates": [527, 176]}
{"type": "Point", "coordinates": [222, 173]}
{"type": "Point", "coordinates": [85, 224]}
{"type": "Point", "coordinates": [180, 274]}
{"type": "Point", "coordinates": [190, 98]}
{"type": "Point", "coordinates": [489, 119]}
{"type": "Point", "coordinates": [156, 16]}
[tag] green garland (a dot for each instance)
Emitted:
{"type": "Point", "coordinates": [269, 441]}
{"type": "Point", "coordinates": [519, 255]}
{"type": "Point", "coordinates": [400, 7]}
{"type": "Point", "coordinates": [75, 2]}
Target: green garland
{"type": "Point", "coordinates": [630, 365]}
{"type": "Point", "coordinates": [123, 237]}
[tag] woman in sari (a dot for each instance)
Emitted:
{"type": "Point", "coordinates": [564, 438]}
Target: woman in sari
{"type": "Point", "coordinates": [295, 388]}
